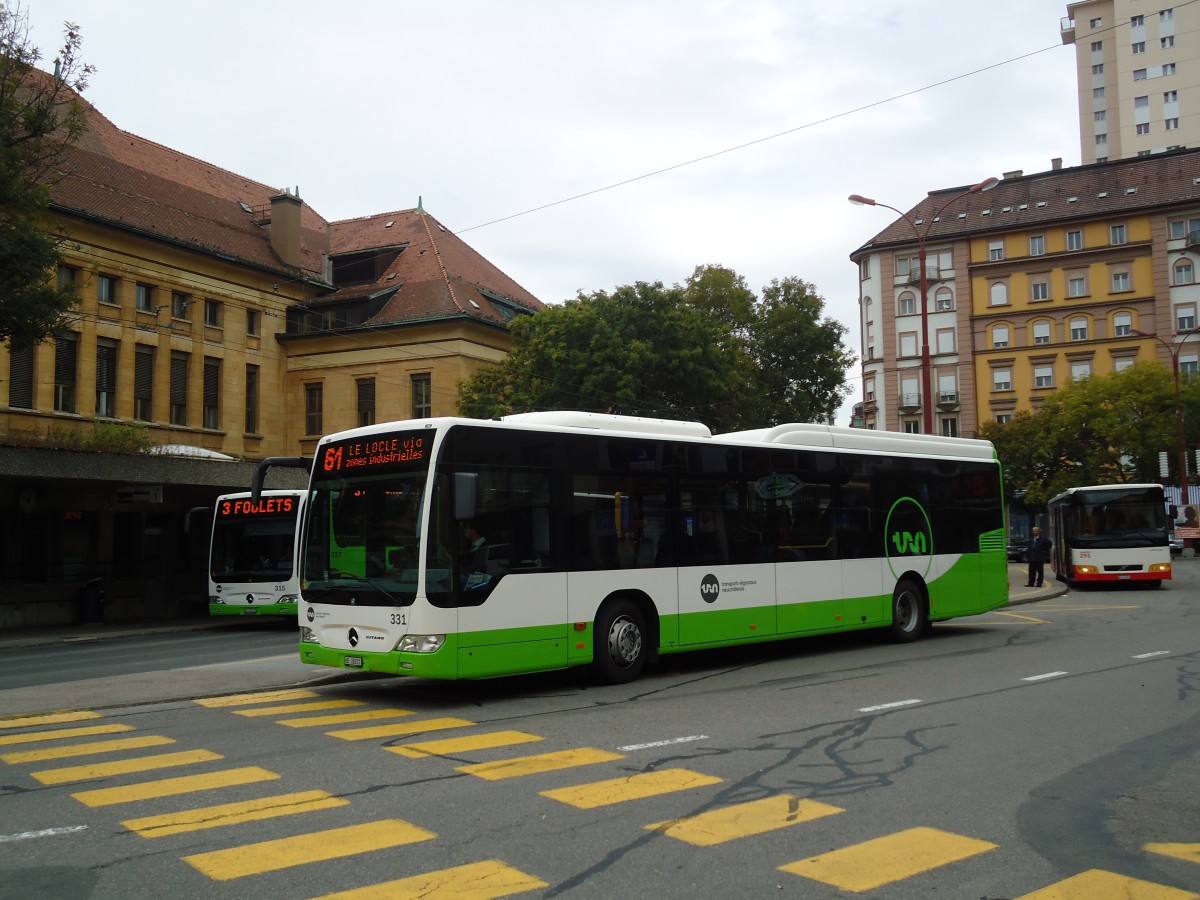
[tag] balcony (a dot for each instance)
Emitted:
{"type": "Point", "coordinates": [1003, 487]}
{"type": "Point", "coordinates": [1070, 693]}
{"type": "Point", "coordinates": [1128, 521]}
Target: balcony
{"type": "Point", "coordinates": [913, 278]}
{"type": "Point", "coordinates": [947, 401]}
{"type": "Point", "coordinates": [1193, 239]}
{"type": "Point", "coordinates": [910, 402]}
{"type": "Point", "coordinates": [1067, 29]}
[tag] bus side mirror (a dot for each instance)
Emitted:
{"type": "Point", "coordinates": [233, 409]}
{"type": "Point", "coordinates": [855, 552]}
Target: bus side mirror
{"type": "Point", "coordinates": [466, 486]}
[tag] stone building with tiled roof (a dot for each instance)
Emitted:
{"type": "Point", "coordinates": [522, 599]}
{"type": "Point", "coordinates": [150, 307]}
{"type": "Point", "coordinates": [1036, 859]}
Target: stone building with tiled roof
{"type": "Point", "coordinates": [1041, 280]}
{"type": "Point", "coordinates": [228, 318]}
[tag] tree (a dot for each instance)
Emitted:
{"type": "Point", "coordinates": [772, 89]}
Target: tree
{"type": "Point", "coordinates": [41, 118]}
{"type": "Point", "coordinates": [707, 350]}
{"type": "Point", "coordinates": [1107, 429]}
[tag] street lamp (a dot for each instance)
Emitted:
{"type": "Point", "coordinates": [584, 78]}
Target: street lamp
{"type": "Point", "coordinates": [1180, 444]}
{"type": "Point", "coordinates": [922, 236]}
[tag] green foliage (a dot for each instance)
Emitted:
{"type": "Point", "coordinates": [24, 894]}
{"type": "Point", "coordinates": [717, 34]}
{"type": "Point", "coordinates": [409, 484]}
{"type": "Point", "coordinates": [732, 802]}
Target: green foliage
{"type": "Point", "coordinates": [103, 437]}
{"type": "Point", "coordinates": [706, 350]}
{"type": "Point", "coordinates": [41, 117]}
{"type": "Point", "coordinates": [1107, 429]}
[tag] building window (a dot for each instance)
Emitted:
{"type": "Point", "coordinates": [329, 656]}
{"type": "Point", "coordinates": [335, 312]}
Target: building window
{"type": "Point", "coordinates": [1137, 21]}
{"type": "Point", "coordinates": [1120, 365]}
{"type": "Point", "coordinates": [950, 426]}
{"type": "Point", "coordinates": [20, 378]}
{"type": "Point", "coordinates": [944, 300]}
{"type": "Point", "coordinates": [1170, 96]}
{"type": "Point", "coordinates": [1168, 68]}
{"type": "Point", "coordinates": [144, 297]}
{"type": "Point", "coordinates": [1120, 282]}
{"type": "Point", "coordinates": [869, 389]}
{"type": "Point", "coordinates": [1189, 367]}
{"type": "Point", "coordinates": [66, 353]}
{"type": "Point", "coordinates": [1139, 74]}
{"type": "Point", "coordinates": [212, 392]}
{"type": "Point", "coordinates": [179, 305]}
{"type": "Point", "coordinates": [1171, 124]}
{"type": "Point", "coordinates": [1003, 418]}
{"type": "Point", "coordinates": [945, 340]}
{"type": "Point", "coordinates": [911, 426]}
{"type": "Point", "coordinates": [995, 250]}
{"type": "Point", "coordinates": [864, 269]}
{"type": "Point", "coordinates": [998, 294]}
{"type": "Point", "coordinates": [1186, 228]}
{"type": "Point", "coordinates": [1102, 140]}
{"type": "Point", "coordinates": [106, 289]}
{"type": "Point", "coordinates": [1098, 93]}
{"type": "Point", "coordinates": [1100, 115]}
{"type": "Point", "coordinates": [1039, 290]}
{"type": "Point", "coordinates": [1138, 47]}
{"type": "Point", "coordinates": [999, 336]}
{"type": "Point", "coordinates": [1001, 379]}
{"type": "Point", "coordinates": [314, 418]}
{"type": "Point", "coordinates": [1167, 42]}
{"type": "Point", "coordinates": [179, 386]}
{"type": "Point", "coordinates": [1185, 318]}
{"type": "Point", "coordinates": [106, 378]}
{"type": "Point", "coordinates": [212, 313]}
{"type": "Point", "coordinates": [1043, 376]}
{"type": "Point", "coordinates": [1185, 273]}
{"type": "Point", "coordinates": [1098, 69]}
{"type": "Point", "coordinates": [66, 276]}
{"type": "Point", "coordinates": [1079, 329]}
{"type": "Point", "coordinates": [1037, 244]}
{"type": "Point", "coordinates": [908, 343]}
{"type": "Point", "coordinates": [252, 320]}
{"type": "Point", "coordinates": [1116, 234]}
{"type": "Point", "coordinates": [1074, 240]}
{"type": "Point", "coordinates": [1077, 286]}
{"type": "Point", "coordinates": [251, 399]}
{"type": "Point", "coordinates": [1122, 325]}
{"type": "Point", "coordinates": [1094, 23]}
{"type": "Point", "coordinates": [1080, 370]}
{"type": "Point", "coordinates": [422, 396]}
{"type": "Point", "coordinates": [143, 383]}
{"type": "Point", "coordinates": [1142, 128]}
{"type": "Point", "coordinates": [366, 401]}
{"type": "Point", "coordinates": [1041, 332]}
{"type": "Point", "coordinates": [908, 305]}
{"type": "Point", "coordinates": [1097, 46]}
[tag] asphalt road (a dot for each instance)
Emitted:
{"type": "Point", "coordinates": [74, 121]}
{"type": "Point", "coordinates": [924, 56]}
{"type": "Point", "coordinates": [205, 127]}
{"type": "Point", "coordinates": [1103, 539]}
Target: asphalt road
{"type": "Point", "coordinates": [1043, 751]}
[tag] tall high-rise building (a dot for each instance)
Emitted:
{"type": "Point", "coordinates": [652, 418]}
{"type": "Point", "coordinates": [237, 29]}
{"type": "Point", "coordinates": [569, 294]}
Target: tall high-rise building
{"type": "Point", "coordinates": [1138, 77]}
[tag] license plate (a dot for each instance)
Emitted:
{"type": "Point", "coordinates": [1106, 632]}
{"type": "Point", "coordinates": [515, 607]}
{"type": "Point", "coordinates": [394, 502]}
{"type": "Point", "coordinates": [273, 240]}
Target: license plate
{"type": "Point", "coordinates": [249, 612]}
{"type": "Point", "coordinates": [353, 662]}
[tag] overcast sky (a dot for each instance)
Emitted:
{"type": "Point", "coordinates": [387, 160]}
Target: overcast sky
{"type": "Point", "coordinates": [687, 132]}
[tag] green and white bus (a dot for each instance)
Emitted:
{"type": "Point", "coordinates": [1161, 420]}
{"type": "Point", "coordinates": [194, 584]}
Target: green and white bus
{"type": "Point", "coordinates": [252, 568]}
{"type": "Point", "coordinates": [463, 548]}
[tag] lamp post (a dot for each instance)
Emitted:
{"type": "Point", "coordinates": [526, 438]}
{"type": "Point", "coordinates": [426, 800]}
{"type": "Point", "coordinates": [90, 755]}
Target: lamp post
{"type": "Point", "coordinates": [922, 236]}
{"type": "Point", "coordinates": [1180, 444]}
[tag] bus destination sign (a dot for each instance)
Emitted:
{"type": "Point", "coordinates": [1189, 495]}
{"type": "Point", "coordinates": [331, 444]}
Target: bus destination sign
{"type": "Point", "coordinates": [244, 507]}
{"type": "Point", "coordinates": [369, 454]}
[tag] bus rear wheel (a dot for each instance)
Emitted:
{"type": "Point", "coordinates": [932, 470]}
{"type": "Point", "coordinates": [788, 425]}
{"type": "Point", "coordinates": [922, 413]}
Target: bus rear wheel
{"type": "Point", "coordinates": [910, 615]}
{"type": "Point", "coordinates": [620, 648]}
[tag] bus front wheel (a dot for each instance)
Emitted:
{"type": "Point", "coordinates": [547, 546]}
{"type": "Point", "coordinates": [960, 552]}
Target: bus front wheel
{"type": "Point", "coordinates": [620, 649]}
{"type": "Point", "coordinates": [910, 615]}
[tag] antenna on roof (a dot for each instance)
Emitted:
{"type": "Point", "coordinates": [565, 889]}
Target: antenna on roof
{"type": "Point", "coordinates": [420, 208]}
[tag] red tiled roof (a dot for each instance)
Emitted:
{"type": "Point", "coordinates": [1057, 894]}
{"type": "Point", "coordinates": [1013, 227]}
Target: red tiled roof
{"type": "Point", "coordinates": [1097, 190]}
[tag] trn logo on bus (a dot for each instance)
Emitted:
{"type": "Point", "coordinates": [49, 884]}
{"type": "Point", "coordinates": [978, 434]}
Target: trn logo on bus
{"type": "Point", "coordinates": [909, 533]}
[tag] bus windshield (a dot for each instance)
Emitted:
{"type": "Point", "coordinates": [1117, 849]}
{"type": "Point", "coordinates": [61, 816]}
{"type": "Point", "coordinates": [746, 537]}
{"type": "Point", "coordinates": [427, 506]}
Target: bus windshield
{"type": "Point", "coordinates": [1118, 519]}
{"type": "Point", "coordinates": [252, 547]}
{"type": "Point", "coordinates": [364, 521]}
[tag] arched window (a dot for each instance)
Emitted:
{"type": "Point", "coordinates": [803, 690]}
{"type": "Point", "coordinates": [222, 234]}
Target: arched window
{"type": "Point", "coordinates": [1185, 273]}
{"type": "Point", "coordinates": [907, 304]}
{"type": "Point", "coordinates": [999, 294]}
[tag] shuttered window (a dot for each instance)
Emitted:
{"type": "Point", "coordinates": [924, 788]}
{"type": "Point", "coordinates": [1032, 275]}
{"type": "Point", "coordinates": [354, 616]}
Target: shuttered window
{"type": "Point", "coordinates": [252, 399]}
{"type": "Point", "coordinates": [143, 383]}
{"type": "Point", "coordinates": [179, 387]}
{"type": "Point", "coordinates": [106, 378]}
{"type": "Point", "coordinates": [20, 378]}
{"type": "Point", "coordinates": [313, 417]}
{"type": "Point", "coordinates": [66, 352]}
{"type": "Point", "coordinates": [212, 392]}
{"type": "Point", "coordinates": [366, 401]}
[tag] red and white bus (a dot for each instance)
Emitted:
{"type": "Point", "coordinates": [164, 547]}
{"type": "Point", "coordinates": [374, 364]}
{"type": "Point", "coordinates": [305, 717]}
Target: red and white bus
{"type": "Point", "coordinates": [1105, 533]}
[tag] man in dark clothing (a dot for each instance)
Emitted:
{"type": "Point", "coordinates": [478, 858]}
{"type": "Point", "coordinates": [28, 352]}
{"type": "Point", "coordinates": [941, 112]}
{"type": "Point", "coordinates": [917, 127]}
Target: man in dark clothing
{"type": "Point", "coordinates": [1039, 555]}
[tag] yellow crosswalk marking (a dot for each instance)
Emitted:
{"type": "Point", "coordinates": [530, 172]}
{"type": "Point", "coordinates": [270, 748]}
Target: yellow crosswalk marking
{"type": "Point", "coordinates": [233, 813]}
{"type": "Point", "coordinates": [315, 706]}
{"type": "Point", "coordinates": [383, 731]}
{"type": "Point", "coordinates": [171, 787]}
{"type": "Point", "coordinates": [1096, 884]}
{"type": "Point", "coordinates": [1187, 852]}
{"type": "Point", "coordinates": [543, 762]}
{"type": "Point", "coordinates": [59, 718]}
{"type": "Point", "coordinates": [477, 881]}
{"type": "Point", "coordinates": [124, 766]}
{"type": "Point", "coordinates": [743, 820]}
{"type": "Point", "coordinates": [134, 743]}
{"type": "Point", "coordinates": [33, 737]}
{"type": "Point", "coordinates": [271, 856]}
{"type": "Point", "coordinates": [263, 697]}
{"type": "Point", "coordinates": [884, 860]}
{"type": "Point", "coordinates": [366, 715]}
{"type": "Point", "coordinates": [632, 787]}
{"type": "Point", "coordinates": [455, 746]}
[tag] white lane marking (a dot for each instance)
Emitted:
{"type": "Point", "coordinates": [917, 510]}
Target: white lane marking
{"type": "Point", "coordinates": [1155, 653]}
{"type": "Point", "coordinates": [45, 832]}
{"type": "Point", "coordinates": [679, 740]}
{"type": "Point", "coordinates": [1043, 677]}
{"type": "Point", "coordinates": [895, 705]}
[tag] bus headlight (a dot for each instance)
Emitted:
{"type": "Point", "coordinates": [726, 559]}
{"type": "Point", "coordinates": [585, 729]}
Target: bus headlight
{"type": "Point", "coordinates": [307, 635]}
{"type": "Point", "coordinates": [217, 600]}
{"type": "Point", "coordinates": [1160, 567]}
{"type": "Point", "coordinates": [288, 598]}
{"type": "Point", "coordinates": [1087, 570]}
{"type": "Point", "coordinates": [422, 643]}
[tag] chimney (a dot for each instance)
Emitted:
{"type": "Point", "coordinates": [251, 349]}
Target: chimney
{"type": "Point", "coordinates": [1015, 173]}
{"type": "Point", "coordinates": [1056, 163]}
{"type": "Point", "coordinates": [285, 227]}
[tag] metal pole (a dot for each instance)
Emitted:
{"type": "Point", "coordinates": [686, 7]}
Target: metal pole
{"type": "Point", "coordinates": [926, 375]}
